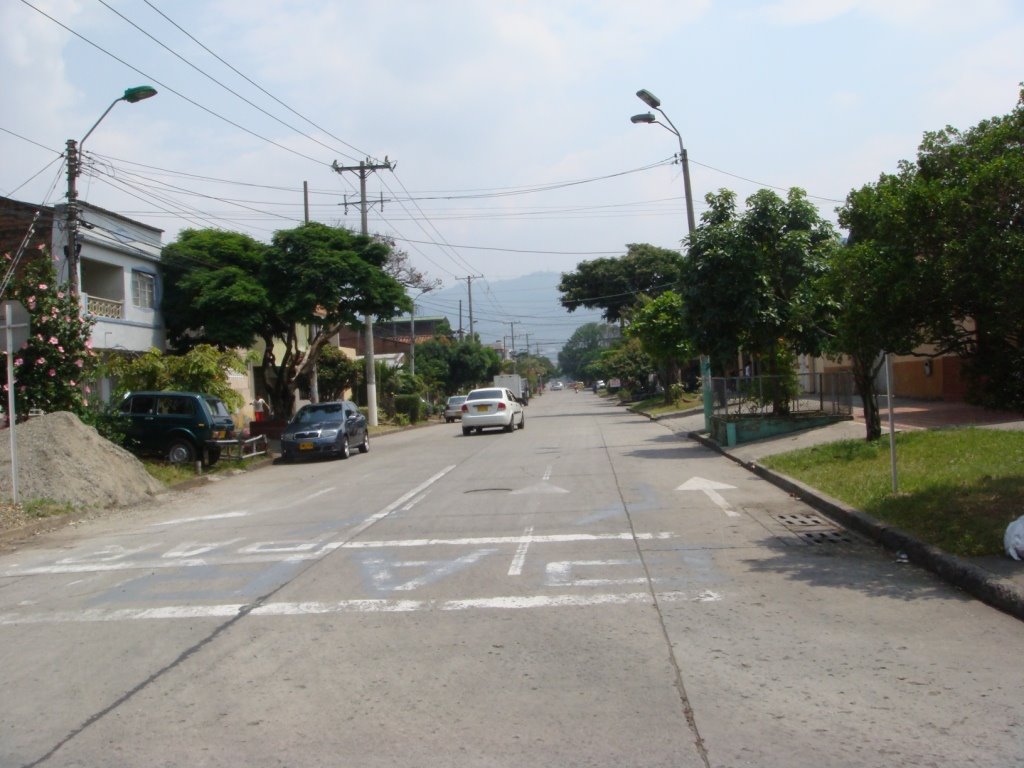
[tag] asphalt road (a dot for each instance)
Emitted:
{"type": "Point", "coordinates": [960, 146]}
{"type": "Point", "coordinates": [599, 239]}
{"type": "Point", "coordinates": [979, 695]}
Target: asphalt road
{"type": "Point", "coordinates": [589, 591]}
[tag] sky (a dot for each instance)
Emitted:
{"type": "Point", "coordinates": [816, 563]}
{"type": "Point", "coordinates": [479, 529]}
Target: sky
{"type": "Point", "coordinates": [507, 124]}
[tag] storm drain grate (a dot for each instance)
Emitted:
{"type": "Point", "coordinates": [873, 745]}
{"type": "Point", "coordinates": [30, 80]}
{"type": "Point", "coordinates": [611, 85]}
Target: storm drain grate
{"type": "Point", "coordinates": [813, 529]}
{"type": "Point", "coordinates": [825, 537]}
{"type": "Point", "coordinates": [801, 520]}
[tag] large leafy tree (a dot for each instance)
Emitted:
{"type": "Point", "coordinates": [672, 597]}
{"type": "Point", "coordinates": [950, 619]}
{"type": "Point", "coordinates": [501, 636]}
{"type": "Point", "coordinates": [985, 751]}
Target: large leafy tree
{"type": "Point", "coordinates": [749, 281]}
{"type": "Point", "coordinates": [966, 218]}
{"type": "Point", "coordinates": [336, 372]}
{"type": "Point", "coordinates": [878, 289]}
{"type": "Point", "coordinates": [584, 348]}
{"type": "Point", "coordinates": [51, 368]}
{"type": "Point", "coordinates": [658, 325]}
{"type": "Point", "coordinates": [614, 284]}
{"type": "Point", "coordinates": [228, 290]}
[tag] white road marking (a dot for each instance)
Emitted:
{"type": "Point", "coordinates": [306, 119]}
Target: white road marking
{"type": "Point", "coordinates": [516, 568]}
{"type": "Point", "coordinates": [710, 488]}
{"type": "Point", "coordinates": [516, 602]}
{"type": "Point", "coordinates": [384, 578]}
{"type": "Point", "coordinates": [542, 487]}
{"type": "Point", "coordinates": [195, 548]}
{"type": "Point", "coordinates": [180, 520]}
{"type": "Point", "coordinates": [414, 502]}
{"type": "Point", "coordinates": [547, 474]}
{"type": "Point", "coordinates": [399, 502]}
{"type": "Point", "coordinates": [271, 552]}
{"type": "Point", "coordinates": [560, 573]}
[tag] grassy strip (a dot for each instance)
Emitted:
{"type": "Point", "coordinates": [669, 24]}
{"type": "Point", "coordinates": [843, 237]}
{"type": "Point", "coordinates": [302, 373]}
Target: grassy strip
{"type": "Point", "coordinates": [656, 406]}
{"type": "Point", "coordinates": [958, 489]}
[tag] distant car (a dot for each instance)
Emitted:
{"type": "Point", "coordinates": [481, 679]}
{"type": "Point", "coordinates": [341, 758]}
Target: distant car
{"type": "Point", "coordinates": [182, 426]}
{"type": "Point", "coordinates": [492, 407]}
{"type": "Point", "coordinates": [453, 408]}
{"type": "Point", "coordinates": [600, 384]}
{"type": "Point", "coordinates": [325, 429]}
{"type": "Point", "coordinates": [558, 385]}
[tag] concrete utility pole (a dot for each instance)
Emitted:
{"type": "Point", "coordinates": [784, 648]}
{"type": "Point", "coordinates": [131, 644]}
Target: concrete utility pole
{"type": "Point", "coordinates": [469, 287]}
{"type": "Point", "coordinates": [363, 169]}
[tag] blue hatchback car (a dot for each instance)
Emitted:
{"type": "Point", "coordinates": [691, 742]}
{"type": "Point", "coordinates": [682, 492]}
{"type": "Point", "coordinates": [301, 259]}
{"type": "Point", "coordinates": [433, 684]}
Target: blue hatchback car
{"type": "Point", "coordinates": [325, 429]}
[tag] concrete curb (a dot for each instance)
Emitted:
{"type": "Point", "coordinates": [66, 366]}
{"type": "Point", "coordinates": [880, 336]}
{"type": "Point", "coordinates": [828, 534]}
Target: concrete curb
{"type": "Point", "coordinates": [985, 586]}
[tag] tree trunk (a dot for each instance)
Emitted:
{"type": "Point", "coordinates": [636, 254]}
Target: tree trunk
{"type": "Point", "coordinates": [864, 378]}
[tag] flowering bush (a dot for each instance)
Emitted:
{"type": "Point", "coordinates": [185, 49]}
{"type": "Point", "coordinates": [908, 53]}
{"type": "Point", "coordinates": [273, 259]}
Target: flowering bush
{"type": "Point", "coordinates": [49, 368]}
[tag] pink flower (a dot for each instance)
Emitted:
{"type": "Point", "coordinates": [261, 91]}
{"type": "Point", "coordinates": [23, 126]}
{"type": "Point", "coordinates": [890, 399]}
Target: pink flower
{"type": "Point", "coordinates": [88, 390]}
{"type": "Point", "coordinates": [52, 373]}
{"type": "Point", "coordinates": [79, 363]}
{"type": "Point", "coordinates": [60, 294]}
{"type": "Point", "coordinates": [54, 340]}
{"type": "Point", "coordinates": [19, 361]}
{"type": "Point", "coordinates": [72, 383]}
{"type": "Point", "coordinates": [88, 343]}
{"type": "Point", "coordinates": [41, 361]}
{"type": "Point", "coordinates": [42, 286]}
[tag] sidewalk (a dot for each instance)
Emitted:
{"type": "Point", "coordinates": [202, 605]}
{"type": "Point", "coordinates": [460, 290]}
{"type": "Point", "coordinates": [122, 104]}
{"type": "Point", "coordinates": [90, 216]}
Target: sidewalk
{"type": "Point", "coordinates": [998, 581]}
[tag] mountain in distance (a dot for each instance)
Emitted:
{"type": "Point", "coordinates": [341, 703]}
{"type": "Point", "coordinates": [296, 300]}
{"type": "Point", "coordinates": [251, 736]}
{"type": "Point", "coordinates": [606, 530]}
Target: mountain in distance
{"type": "Point", "coordinates": [527, 306]}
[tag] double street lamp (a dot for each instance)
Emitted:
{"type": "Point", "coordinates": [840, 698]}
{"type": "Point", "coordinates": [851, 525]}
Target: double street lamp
{"type": "Point", "coordinates": [131, 95]}
{"type": "Point", "coordinates": [654, 103]}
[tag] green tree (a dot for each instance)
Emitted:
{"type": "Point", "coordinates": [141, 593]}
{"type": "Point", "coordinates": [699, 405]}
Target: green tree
{"type": "Point", "coordinates": [228, 290]}
{"type": "Point", "coordinates": [584, 348]}
{"type": "Point", "coordinates": [613, 284]}
{"type": "Point", "coordinates": [878, 288]}
{"type": "Point", "coordinates": [964, 218]}
{"type": "Point", "coordinates": [749, 281]}
{"type": "Point", "coordinates": [52, 366]}
{"type": "Point", "coordinates": [628, 362]}
{"type": "Point", "coordinates": [336, 372]}
{"type": "Point", "coordinates": [658, 325]}
{"type": "Point", "coordinates": [203, 368]}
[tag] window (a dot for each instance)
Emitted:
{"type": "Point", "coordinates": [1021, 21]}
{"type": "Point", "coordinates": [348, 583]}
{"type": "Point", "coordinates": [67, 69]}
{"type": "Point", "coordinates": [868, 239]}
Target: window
{"type": "Point", "coordinates": [143, 290]}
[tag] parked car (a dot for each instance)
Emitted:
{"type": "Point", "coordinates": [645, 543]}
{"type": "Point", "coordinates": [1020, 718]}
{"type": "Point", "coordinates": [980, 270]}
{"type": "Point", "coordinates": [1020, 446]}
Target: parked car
{"type": "Point", "coordinates": [182, 426]}
{"type": "Point", "coordinates": [557, 385]}
{"type": "Point", "coordinates": [492, 407]}
{"type": "Point", "coordinates": [453, 408]}
{"type": "Point", "coordinates": [325, 429]}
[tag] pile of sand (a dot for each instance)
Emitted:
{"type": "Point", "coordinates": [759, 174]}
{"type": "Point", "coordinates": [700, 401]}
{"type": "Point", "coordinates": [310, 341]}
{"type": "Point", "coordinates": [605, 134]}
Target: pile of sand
{"type": "Point", "coordinates": [62, 459]}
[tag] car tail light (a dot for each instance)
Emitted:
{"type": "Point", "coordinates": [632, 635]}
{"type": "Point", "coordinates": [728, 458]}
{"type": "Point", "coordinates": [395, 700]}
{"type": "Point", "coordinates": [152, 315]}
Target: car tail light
{"type": "Point", "coordinates": [501, 406]}
{"type": "Point", "coordinates": [465, 408]}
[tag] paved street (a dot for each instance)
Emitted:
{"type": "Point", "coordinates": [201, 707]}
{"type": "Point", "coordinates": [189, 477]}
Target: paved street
{"type": "Point", "coordinates": [593, 590]}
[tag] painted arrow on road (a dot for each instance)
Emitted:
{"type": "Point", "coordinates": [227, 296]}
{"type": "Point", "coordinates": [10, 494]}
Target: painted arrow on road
{"type": "Point", "coordinates": [711, 489]}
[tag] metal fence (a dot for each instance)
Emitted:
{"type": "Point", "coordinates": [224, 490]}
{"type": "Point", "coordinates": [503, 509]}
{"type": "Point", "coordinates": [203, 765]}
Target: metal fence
{"type": "Point", "coordinates": [829, 393]}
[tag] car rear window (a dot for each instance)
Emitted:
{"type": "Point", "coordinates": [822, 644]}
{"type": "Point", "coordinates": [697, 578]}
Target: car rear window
{"type": "Point", "coordinates": [217, 406]}
{"type": "Point", "coordinates": [485, 394]}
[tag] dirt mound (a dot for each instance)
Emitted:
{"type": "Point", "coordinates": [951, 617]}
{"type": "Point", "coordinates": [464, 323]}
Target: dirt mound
{"type": "Point", "coordinates": [62, 459]}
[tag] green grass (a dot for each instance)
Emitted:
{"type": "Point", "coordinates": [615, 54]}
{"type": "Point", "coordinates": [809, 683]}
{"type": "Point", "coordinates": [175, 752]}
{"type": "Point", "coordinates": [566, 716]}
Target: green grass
{"type": "Point", "coordinates": [36, 509]}
{"type": "Point", "coordinates": [656, 405]}
{"type": "Point", "coordinates": [958, 489]}
{"type": "Point", "coordinates": [172, 474]}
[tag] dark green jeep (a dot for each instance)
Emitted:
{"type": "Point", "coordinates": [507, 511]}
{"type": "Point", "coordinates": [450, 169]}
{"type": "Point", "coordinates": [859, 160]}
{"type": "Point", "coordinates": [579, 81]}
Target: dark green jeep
{"type": "Point", "coordinates": [182, 426]}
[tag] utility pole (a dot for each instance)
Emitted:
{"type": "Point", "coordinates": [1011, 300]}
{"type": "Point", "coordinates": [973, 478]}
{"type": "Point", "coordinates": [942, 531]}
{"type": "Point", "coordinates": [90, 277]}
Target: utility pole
{"type": "Point", "coordinates": [363, 169]}
{"type": "Point", "coordinates": [71, 223]}
{"type": "Point", "coordinates": [469, 287]}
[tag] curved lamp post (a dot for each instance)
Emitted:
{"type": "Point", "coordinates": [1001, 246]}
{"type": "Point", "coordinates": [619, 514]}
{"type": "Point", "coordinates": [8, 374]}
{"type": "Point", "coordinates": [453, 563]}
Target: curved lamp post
{"type": "Point", "coordinates": [654, 103]}
{"type": "Point", "coordinates": [131, 95]}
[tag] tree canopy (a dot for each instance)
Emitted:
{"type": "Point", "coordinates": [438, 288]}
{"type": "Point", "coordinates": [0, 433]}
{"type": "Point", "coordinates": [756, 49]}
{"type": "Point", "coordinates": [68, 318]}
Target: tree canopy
{"type": "Point", "coordinates": [228, 290]}
{"type": "Point", "coordinates": [748, 282]}
{"type": "Point", "coordinates": [614, 284]}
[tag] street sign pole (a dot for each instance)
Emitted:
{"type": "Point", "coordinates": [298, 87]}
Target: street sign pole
{"type": "Point", "coordinates": [16, 325]}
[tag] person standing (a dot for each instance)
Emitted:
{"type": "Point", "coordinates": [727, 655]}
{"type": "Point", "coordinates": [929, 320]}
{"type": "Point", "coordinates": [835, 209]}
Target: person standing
{"type": "Point", "coordinates": [260, 409]}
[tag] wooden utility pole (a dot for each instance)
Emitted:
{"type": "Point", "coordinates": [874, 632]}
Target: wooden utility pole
{"type": "Point", "coordinates": [363, 169]}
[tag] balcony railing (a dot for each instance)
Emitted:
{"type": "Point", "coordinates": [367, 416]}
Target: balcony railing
{"type": "Point", "coordinates": [110, 308]}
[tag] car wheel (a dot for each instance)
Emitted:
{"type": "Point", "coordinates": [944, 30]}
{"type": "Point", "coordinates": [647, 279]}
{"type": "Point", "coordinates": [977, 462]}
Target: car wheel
{"type": "Point", "coordinates": [466, 431]}
{"type": "Point", "coordinates": [364, 447]}
{"type": "Point", "coordinates": [344, 452]}
{"type": "Point", "coordinates": [181, 452]}
{"type": "Point", "coordinates": [522, 422]}
{"type": "Point", "coordinates": [511, 423]}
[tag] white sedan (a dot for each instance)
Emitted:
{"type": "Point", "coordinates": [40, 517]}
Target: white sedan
{"type": "Point", "coordinates": [492, 407]}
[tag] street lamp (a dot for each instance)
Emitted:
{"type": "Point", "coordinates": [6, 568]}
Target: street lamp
{"type": "Point", "coordinates": [131, 95]}
{"type": "Point", "coordinates": [654, 103]}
